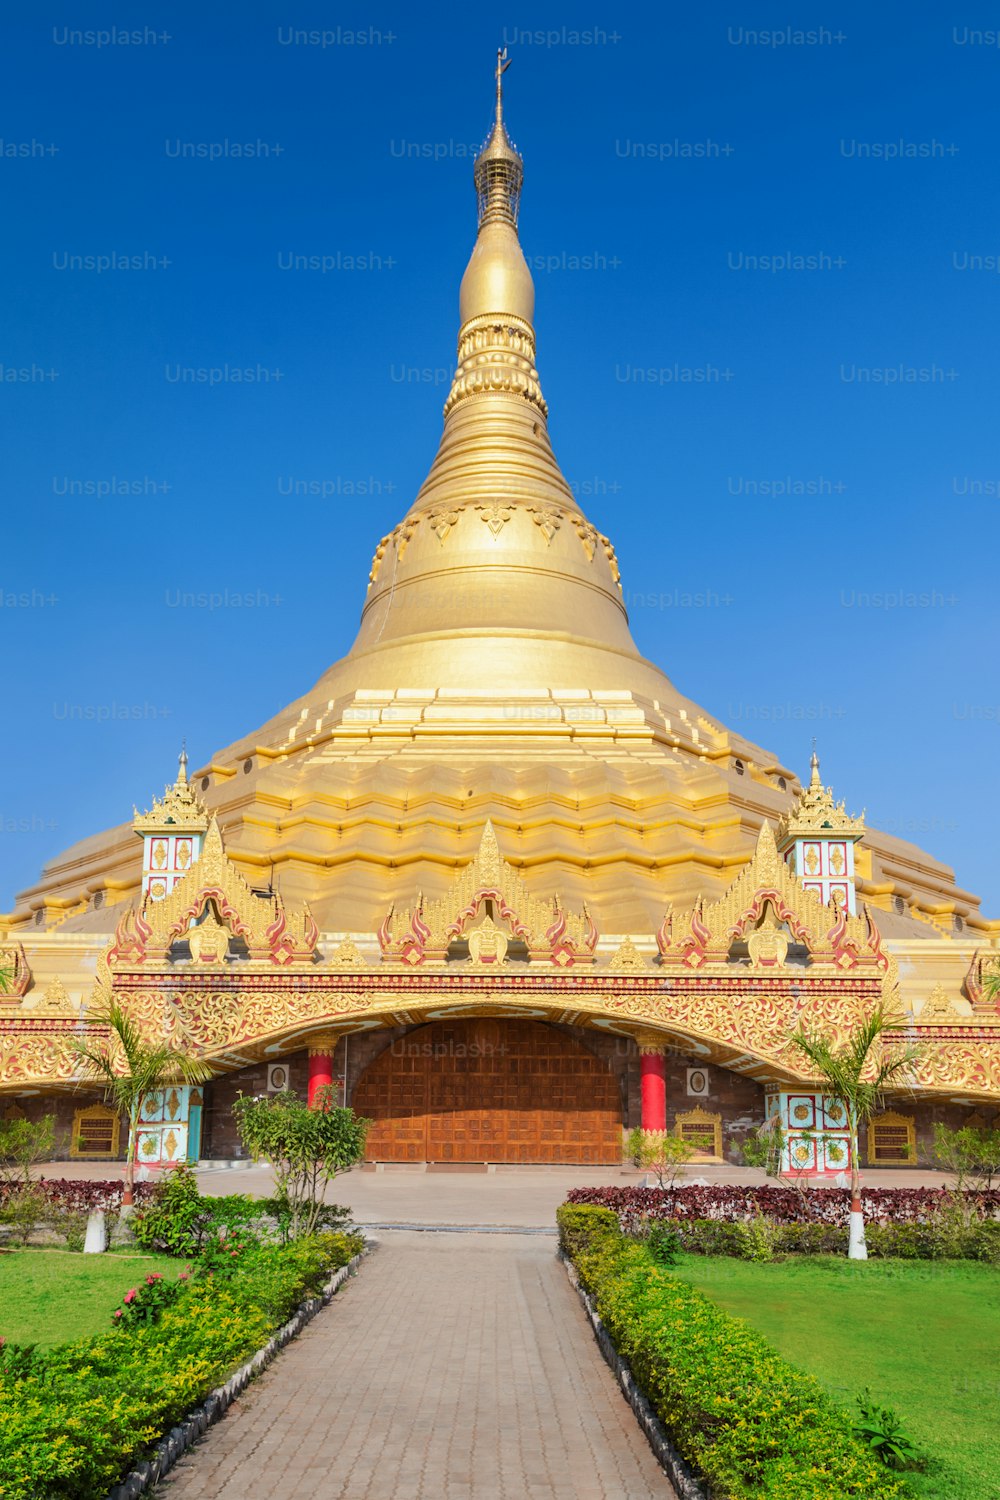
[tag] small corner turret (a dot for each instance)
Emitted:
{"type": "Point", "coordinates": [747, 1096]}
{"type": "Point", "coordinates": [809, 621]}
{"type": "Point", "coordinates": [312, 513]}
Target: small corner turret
{"type": "Point", "coordinates": [816, 839]}
{"type": "Point", "coordinates": [172, 833]}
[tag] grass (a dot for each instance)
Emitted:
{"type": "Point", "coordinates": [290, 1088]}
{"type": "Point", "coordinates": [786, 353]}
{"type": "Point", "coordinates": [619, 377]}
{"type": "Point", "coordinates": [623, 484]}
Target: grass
{"type": "Point", "coordinates": [923, 1335]}
{"type": "Point", "coordinates": [52, 1297]}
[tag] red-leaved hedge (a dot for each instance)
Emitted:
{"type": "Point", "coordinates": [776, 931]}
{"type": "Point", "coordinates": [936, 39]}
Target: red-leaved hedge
{"type": "Point", "coordinates": [900, 1205]}
{"type": "Point", "coordinates": [82, 1197]}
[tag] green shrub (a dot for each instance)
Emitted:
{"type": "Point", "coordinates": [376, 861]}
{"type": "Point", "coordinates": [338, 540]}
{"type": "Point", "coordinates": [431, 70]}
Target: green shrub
{"type": "Point", "coordinates": [663, 1243]}
{"type": "Point", "coordinates": [760, 1238]}
{"type": "Point", "coordinates": [183, 1221]}
{"type": "Point", "coordinates": [945, 1237]}
{"type": "Point", "coordinates": [580, 1223]}
{"type": "Point", "coordinates": [754, 1426]}
{"type": "Point", "coordinates": [72, 1421]}
{"type": "Point", "coordinates": [755, 1238]}
{"type": "Point", "coordinates": [24, 1209]}
{"type": "Point", "coordinates": [174, 1219]}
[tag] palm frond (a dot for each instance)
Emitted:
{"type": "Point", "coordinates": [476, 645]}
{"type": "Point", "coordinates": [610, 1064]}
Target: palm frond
{"type": "Point", "coordinates": [855, 1074]}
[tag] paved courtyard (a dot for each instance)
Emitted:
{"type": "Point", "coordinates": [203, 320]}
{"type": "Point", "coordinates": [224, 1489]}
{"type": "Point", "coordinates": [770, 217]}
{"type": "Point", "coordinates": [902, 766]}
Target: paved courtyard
{"type": "Point", "coordinates": [453, 1367]}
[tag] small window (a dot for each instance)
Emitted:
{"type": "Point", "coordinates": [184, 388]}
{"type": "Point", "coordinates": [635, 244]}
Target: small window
{"type": "Point", "coordinates": [892, 1140]}
{"type": "Point", "coordinates": [95, 1132]}
{"type": "Point", "coordinates": [248, 766]}
{"type": "Point", "coordinates": [704, 1131]}
{"type": "Point", "coordinates": [738, 767]}
{"type": "Point", "coordinates": [205, 783]}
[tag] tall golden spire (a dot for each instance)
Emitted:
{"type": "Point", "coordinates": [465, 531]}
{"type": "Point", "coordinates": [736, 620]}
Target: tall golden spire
{"type": "Point", "coordinates": [495, 547]}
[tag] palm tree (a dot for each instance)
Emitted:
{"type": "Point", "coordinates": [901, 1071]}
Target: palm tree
{"type": "Point", "coordinates": [130, 1069]}
{"type": "Point", "coordinates": [856, 1075]}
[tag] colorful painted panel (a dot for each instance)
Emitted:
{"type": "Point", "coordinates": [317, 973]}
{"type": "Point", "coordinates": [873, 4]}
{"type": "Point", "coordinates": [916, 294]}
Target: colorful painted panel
{"type": "Point", "coordinates": [801, 1112]}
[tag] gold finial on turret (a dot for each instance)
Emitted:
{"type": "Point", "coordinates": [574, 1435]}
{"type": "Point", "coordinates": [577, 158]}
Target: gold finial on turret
{"type": "Point", "coordinates": [814, 780]}
{"type": "Point", "coordinates": [182, 765]}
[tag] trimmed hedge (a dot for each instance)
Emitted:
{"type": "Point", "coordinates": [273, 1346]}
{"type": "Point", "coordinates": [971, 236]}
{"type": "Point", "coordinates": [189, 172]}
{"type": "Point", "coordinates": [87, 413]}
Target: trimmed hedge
{"type": "Point", "coordinates": [943, 1238]}
{"type": "Point", "coordinates": [65, 1193]}
{"type": "Point", "coordinates": [751, 1424]}
{"type": "Point", "coordinates": [73, 1421]}
{"type": "Point", "coordinates": [828, 1205]}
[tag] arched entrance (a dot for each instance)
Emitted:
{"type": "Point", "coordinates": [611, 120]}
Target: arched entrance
{"type": "Point", "coordinates": [490, 1090]}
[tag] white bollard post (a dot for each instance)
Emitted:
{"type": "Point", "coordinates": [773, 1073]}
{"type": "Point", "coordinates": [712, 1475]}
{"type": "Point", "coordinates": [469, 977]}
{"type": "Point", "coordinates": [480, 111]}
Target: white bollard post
{"type": "Point", "coordinates": [96, 1241]}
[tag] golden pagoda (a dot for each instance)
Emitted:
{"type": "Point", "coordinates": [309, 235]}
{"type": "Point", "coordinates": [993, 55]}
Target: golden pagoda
{"type": "Point", "coordinates": [494, 692]}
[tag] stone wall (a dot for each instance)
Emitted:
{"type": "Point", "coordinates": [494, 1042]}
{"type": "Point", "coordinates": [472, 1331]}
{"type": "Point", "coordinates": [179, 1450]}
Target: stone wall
{"type": "Point", "coordinates": [219, 1140]}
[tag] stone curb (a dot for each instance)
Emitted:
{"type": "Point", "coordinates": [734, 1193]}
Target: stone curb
{"type": "Point", "coordinates": [677, 1470]}
{"type": "Point", "coordinates": [213, 1408]}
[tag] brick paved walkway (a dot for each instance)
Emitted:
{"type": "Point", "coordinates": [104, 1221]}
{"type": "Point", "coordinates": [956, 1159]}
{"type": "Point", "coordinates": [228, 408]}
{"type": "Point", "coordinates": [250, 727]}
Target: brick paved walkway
{"type": "Point", "coordinates": [453, 1367]}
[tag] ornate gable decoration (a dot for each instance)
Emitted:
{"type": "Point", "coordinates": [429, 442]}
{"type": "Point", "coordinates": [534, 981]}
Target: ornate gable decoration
{"type": "Point", "coordinates": [214, 890]}
{"type": "Point", "coordinates": [768, 908]}
{"type": "Point", "coordinates": [424, 933]}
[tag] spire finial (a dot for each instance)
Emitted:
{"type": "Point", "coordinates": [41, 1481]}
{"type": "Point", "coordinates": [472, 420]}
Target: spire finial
{"type": "Point", "coordinates": [814, 767]}
{"type": "Point", "coordinates": [182, 765]}
{"type": "Point", "coordinates": [503, 63]}
{"type": "Point", "coordinates": [499, 170]}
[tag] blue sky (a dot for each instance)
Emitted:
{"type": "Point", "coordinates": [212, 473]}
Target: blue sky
{"type": "Point", "coordinates": [767, 305]}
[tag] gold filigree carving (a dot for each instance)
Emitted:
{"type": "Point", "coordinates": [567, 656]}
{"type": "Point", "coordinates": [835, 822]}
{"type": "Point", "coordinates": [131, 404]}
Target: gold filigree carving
{"type": "Point", "coordinates": [612, 558]}
{"type": "Point", "coordinates": [547, 520]}
{"type": "Point", "coordinates": [767, 944]}
{"type": "Point", "coordinates": [488, 943]}
{"type": "Point", "coordinates": [627, 957]}
{"type": "Point", "coordinates": [209, 941]}
{"type": "Point", "coordinates": [496, 358]}
{"type": "Point", "coordinates": [588, 535]}
{"type": "Point", "coordinates": [56, 997]}
{"type": "Point", "coordinates": [348, 956]}
{"type": "Point", "coordinates": [401, 536]}
{"type": "Point", "coordinates": [939, 1009]}
{"type": "Point", "coordinates": [495, 516]}
{"type": "Point", "coordinates": [380, 552]}
{"type": "Point", "coordinates": [442, 521]}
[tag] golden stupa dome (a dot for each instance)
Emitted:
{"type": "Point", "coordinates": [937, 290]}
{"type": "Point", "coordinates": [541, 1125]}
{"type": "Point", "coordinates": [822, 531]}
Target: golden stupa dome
{"type": "Point", "coordinates": [494, 676]}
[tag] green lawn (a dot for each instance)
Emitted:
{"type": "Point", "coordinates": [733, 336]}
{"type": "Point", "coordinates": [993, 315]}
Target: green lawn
{"type": "Point", "coordinates": [925, 1336]}
{"type": "Point", "coordinates": [51, 1296]}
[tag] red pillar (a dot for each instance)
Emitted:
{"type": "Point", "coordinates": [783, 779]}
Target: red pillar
{"type": "Point", "coordinates": [321, 1051]}
{"type": "Point", "coordinates": [653, 1073]}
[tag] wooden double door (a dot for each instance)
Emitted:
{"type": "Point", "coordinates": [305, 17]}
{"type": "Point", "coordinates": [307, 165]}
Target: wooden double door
{"type": "Point", "coordinates": [490, 1091]}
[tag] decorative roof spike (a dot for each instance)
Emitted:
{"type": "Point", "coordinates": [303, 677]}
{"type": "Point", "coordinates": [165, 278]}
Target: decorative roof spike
{"type": "Point", "coordinates": [814, 782]}
{"type": "Point", "coordinates": [178, 810]}
{"type": "Point", "coordinates": [499, 169]}
{"type": "Point", "coordinates": [816, 812]}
